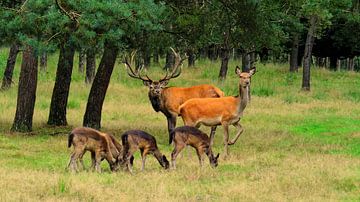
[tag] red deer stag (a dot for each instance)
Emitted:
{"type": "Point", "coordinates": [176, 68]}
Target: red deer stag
{"type": "Point", "coordinates": [168, 99]}
{"type": "Point", "coordinates": [223, 111]}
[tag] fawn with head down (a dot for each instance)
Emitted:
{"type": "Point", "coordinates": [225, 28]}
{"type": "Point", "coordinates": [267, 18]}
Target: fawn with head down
{"type": "Point", "coordinates": [101, 145]}
{"type": "Point", "coordinates": [188, 135]}
{"type": "Point", "coordinates": [134, 140]}
{"type": "Point", "coordinates": [168, 99]}
{"type": "Point", "coordinates": [223, 111]}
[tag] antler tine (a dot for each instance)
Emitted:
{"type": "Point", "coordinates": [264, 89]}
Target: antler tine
{"type": "Point", "coordinates": [176, 71]}
{"type": "Point", "coordinates": [131, 71]}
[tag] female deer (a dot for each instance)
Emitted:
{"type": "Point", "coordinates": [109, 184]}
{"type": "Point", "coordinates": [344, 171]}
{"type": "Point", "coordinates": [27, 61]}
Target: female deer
{"type": "Point", "coordinates": [223, 111]}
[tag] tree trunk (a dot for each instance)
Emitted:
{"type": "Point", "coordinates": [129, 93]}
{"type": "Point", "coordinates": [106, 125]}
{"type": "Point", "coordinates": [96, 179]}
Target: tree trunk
{"type": "Point", "coordinates": [333, 61]}
{"type": "Point", "coordinates": [59, 99]}
{"type": "Point", "coordinates": [146, 59]}
{"type": "Point", "coordinates": [307, 54]}
{"type": "Point", "coordinates": [43, 62]}
{"type": "Point", "coordinates": [245, 62]}
{"type": "Point", "coordinates": [351, 64]}
{"type": "Point", "coordinates": [10, 65]}
{"type": "Point", "coordinates": [224, 64]}
{"type": "Point", "coordinates": [82, 60]}
{"type": "Point", "coordinates": [156, 56]}
{"type": "Point", "coordinates": [294, 54]}
{"type": "Point", "coordinates": [90, 66]}
{"type": "Point", "coordinates": [338, 65]}
{"type": "Point", "coordinates": [92, 117]}
{"type": "Point", "coordinates": [264, 55]}
{"type": "Point", "coordinates": [26, 92]}
{"type": "Point", "coordinates": [191, 58]}
{"type": "Point", "coordinates": [170, 60]}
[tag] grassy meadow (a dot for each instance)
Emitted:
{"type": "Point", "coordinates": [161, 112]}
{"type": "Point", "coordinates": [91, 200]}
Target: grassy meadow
{"type": "Point", "coordinates": [297, 146]}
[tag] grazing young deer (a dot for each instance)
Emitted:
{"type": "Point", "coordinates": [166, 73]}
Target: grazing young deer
{"type": "Point", "coordinates": [223, 111]}
{"type": "Point", "coordinates": [168, 99]}
{"type": "Point", "coordinates": [134, 140]}
{"type": "Point", "coordinates": [188, 135]}
{"type": "Point", "coordinates": [101, 145]}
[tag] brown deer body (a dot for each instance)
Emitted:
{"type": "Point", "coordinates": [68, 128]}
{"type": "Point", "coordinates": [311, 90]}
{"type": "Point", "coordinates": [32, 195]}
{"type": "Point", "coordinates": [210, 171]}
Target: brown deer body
{"type": "Point", "coordinates": [168, 99]}
{"type": "Point", "coordinates": [101, 145]}
{"type": "Point", "coordinates": [223, 111]}
{"type": "Point", "coordinates": [188, 135]}
{"type": "Point", "coordinates": [134, 140]}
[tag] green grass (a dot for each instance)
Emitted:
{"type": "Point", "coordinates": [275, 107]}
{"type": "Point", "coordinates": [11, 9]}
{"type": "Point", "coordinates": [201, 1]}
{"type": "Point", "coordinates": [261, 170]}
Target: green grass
{"type": "Point", "coordinates": [297, 146]}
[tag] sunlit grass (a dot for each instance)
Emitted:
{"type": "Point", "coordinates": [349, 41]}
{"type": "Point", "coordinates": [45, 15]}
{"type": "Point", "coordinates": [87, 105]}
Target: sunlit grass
{"type": "Point", "coordinates": [297, 145]}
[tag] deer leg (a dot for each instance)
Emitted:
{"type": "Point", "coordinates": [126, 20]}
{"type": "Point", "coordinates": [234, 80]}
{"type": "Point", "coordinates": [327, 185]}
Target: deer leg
{"type": "Point", "coordinates": [74, 157]}
{"type": "Point", "coordinates": [129, 158]}
{"type": "Point", "coordinates": [212, 135]}
{"type": "Point", "coordinates": [240, 131]}
{"type": "Point", "coordinates": [171, 124]}
{"type": "Point", "coordinates": [93, 161]}
{"type": "Point", "coordinates": [175, 152]}
{"type": "Point", "coordinates": [199, 153]}
{"type": "Point", "coordinates": [98, 161]}
{"type": "Point", "coordinates": [226, 139]}
{"type": "Point", "coordinates": [82, 161]}
{"type": "Point", "coordinates": [143, 158]}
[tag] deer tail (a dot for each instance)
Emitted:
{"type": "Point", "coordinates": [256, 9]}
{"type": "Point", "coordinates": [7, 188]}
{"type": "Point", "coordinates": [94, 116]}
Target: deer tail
{"type": "Point", "coordinates": [70, 139]}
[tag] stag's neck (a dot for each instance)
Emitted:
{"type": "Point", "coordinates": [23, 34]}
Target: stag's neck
{"type": "Point", "coordinates": [243, 98]}
{"type": "Point", "coordinates": [156, 102]}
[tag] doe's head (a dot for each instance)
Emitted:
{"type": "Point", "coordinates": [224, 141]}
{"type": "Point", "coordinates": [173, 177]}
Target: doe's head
{"type": "Point", "coordinates": [245, 77]}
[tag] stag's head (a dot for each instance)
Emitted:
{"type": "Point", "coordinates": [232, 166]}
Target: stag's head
{"type": "Point", "coordinates": [245, 77]}
{"type": "Point", "coordinates": [156, 87]}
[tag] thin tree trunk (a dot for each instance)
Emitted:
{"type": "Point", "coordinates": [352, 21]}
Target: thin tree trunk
{"type": "Point", "coordinates": [338, 65]}
{"type": "Point", "coordinates": [26, 92]}
{"type": "Point", "coordinates": [156, 56]}
{"type": "Point", "coordinates": [307, 54]}
{"type": "Point", "coordinates": [146, 59]}
{"type": "Point", "coordinates": [294, 53]}
{"type": "Point", "coordinates": [245, 62]}
{"type": "Point", "coordinates": [82, 60]}
{"type": "Point", "coordinates": [351, 64]}
{"type": "Point", "coordinates": [43, 62]}
{"type": "Point", "coordinates": [92, 117]}
{"type": "Point", "coordinates": [59, 100]}
{"type": "Point", "coordinates": [191, 58]}
{"type": "Point", "coordinates": [333, 61]}
{"type": "Point", "coordinates": [90, 66]}
{"type": "Point", "coordinates": [224, 64]}
{"type": "Point", "coordinates": [10, 65]}
{"type": "Point", "coordinates": [170, 59]}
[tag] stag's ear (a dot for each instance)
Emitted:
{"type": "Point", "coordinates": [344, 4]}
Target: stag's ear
{"type": "Point", "coordinates": [147, 83]}
{"type": "Point", "coordinates": [237, 70]}
{"type": "Point", "coordinates": [252, 71]}
{"type": "Point", "coordinates": [164, 83]}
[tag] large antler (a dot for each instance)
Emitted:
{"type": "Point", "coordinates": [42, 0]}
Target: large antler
{"type": "Point", "coordinates": [176, 71]}
{"type": "Point", "coordinates": [133, 73]}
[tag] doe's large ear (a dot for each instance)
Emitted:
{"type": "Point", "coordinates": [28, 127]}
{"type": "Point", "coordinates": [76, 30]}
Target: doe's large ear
{"type": "Point", "coordinates": [147, 83]}
{"type": "Point", "coordinates": [237, 70]}
{"type": "Point", "coordinates": [252, 71]}
{"type": "Point", "coordinates": [164, 83]}
{"type": "Point", "coordinates": [217, 156]}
